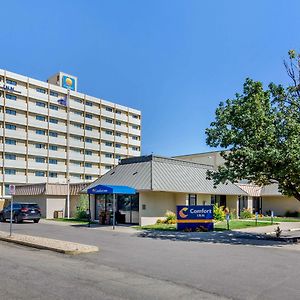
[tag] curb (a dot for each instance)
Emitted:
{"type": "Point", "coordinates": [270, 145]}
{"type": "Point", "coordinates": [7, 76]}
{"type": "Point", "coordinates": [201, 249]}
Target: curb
{"type": "Point", "coordinates": [43, 247]}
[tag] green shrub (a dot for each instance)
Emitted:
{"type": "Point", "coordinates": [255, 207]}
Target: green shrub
{"type": "Point", "coordinates": [82, 207]}
{"type": "Point", "coordinates": [219, 213]}
{"type": "Point", "coordinates": [160, 221]}
{"type": "Point", "coordinates": [292, 214]}
{"type": "Point", "coordinates": [170, 217]}
{"type": "Point", "coordinates": [233, 214]}
{"type": "Point", "coordinates": [246, 214]}
{"type": "Point", "coordinates": [81, 215]}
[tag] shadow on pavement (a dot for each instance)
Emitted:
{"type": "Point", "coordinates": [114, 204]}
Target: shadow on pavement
{"type": "Point", "coordinates": [218, 237]}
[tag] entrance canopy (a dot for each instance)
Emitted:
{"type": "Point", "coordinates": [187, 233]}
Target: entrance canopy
{"type": "Point", "coordinates": [111, 189]}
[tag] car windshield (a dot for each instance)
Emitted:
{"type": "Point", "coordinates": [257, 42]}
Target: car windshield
{"type": "Point", "coordinates": [29, 205]}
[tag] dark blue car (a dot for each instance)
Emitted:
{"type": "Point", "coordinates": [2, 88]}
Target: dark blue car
{"type": "Point", "coordinates": [21, 212]}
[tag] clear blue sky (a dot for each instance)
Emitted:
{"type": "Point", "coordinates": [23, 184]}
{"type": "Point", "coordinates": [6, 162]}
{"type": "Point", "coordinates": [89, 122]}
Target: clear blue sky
{"type": "Point", "coordinates": [173, 60]}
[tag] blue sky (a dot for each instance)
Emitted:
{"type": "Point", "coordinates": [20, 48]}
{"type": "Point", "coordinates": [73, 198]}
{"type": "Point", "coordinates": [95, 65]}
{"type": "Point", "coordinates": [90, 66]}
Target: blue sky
{"type": "Point", "coordinates": [173, 60]}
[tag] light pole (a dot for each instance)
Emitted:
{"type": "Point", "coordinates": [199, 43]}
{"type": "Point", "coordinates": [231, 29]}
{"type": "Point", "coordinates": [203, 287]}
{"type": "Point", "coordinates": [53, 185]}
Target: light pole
{"type": "Point", "coordinates": [68, 154]}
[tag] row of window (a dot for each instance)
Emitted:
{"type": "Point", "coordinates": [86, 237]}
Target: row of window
{"type": "Point", "coordinates": [43, 174]}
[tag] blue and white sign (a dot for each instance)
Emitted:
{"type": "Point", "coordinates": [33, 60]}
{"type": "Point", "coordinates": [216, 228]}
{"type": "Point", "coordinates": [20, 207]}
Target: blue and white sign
{"type": "Point", "coordinates": [68, 82]}
{"type": "Point", "coordinates": [194, 216]}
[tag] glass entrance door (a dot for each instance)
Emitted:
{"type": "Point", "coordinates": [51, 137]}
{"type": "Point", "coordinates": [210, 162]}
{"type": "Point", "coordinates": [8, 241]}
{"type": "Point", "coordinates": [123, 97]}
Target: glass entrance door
{"type": "Point", "coordinates": [104, 209]}
{"type": "Point", "coordinates": [127, 209]}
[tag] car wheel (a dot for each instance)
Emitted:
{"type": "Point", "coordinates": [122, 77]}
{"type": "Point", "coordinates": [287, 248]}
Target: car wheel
{"type": "Point", "coordinates": [2, 219]}
{"type": "Point", "coordinates": [36, 220]}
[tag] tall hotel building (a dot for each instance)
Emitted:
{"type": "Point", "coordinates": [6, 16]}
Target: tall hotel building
{"type": "Point", "coordinates": [49, 132]}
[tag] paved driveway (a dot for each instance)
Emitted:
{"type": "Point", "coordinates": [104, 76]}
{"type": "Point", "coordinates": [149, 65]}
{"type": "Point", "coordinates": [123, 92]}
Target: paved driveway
{"type": "Point", "coordinates": [215, 269]}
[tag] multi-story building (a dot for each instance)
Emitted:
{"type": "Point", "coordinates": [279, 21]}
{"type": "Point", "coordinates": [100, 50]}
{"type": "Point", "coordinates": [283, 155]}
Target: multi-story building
{"type": "Point", "coordinates": [49, 132]}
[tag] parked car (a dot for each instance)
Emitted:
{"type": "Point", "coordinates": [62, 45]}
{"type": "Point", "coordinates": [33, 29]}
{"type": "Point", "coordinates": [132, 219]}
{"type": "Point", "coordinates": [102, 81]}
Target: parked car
{"type": "Point", "coordinates": [21, 212]}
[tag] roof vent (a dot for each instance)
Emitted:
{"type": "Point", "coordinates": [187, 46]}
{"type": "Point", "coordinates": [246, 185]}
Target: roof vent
{"type": "Point", "coordinates": [112, 173]}
{"type": "Point", "coordinates": [134, 173]}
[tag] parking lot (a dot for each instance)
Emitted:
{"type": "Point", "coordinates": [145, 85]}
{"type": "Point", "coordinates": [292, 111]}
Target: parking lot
{"type": "Point", "coordinates": [131, 265]}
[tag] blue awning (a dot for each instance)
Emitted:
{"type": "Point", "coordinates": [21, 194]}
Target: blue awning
{"type": "Point", "coordinates": [111, 189]}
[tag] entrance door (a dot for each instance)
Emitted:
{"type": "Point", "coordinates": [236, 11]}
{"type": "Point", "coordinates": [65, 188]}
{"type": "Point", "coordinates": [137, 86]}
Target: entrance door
{"type": "Point", "coordinates": [128, 209]}
{"type": "Point", "coordinates": [243, 203]}
{"type": "Point", "coordinates": [257, 205]}
{"type": "Point", "coordinates": [104, 208]}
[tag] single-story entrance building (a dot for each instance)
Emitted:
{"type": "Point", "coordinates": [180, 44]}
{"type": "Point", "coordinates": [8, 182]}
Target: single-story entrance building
{"type": "Point", "coordinates": [161, 184]}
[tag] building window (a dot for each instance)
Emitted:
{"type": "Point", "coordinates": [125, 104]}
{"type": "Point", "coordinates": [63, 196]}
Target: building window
{"type": "Point", "coordinates": [10, 142]}
{"type": "Point", "coordinates": [39, 90]}
{"type": "Point", "coordinates": [118, 146]}
{"type": "Point", "coordinates": [77, 100]}
{"type": "Point", "coordinates": [54, 107]}
{"type": "Point", "coordinates": [88, 140]}
{"type": "Point", "coordinates": [220, 200]}
{"type": "Point", "coordinates": [53, 134]}
{"type": "Point", "coordinates": [10, 171]}
{"type": "Point", "coordinates": [78, 125]}
{"type": "Point", "coordinates": [108, 155]}
{"type": "Point", "coordinates": [135, 148]}
{"type": "Point", "coordinates": [52, 161]}
{"type": "Point", "coordinates": [11, 97]}
{"type": "Point", "coordinates": [107, 167]}
{"type": "Point", "coordinates": [76, 150]}
{"type": "Point", "coordinates": [77, 112]}
{"type": "Point", "coordinates": [107, 120]}
{"type": "Point", "coordinates": [52, 93]}
{"type": "Point", "coordinates": [88, 127]}
{"type": "Point", "coordinates": [88, 165]}
{"type": "Point", "coordinates": [40, 160]}
{"type": "Point", "coordinates": [108, 144]}
{"type": "Point", "coordinates": [89, 103]}
{"type": "Point", "coordinates": [135, 127]}
{"type": "Point", "coordinates": [135, 138]}
{"type": "Point", "coordinates": [53, 147]}
{"type": "Point", "coordinates": [135, 116]}
{"type": "Point", "coordinates": [118, 156]}
{"type": "Point", "coordinates": [52, 174]}
{"type": "Point", "coordinates": [118, 112]}
{"type": "Point", "coordinates": [39, 173]}
{"type": "Point", "coordinates": [41, 104]}
{"type": "Point", "coordinates": [89, 116]}
{"type": "Point", "coordinates": [41, 132]}
{"type": "Point", "coordinates": [109, 132]}
{"type": "Point", "coordinates": [40, 146]}
{"type": "Point", "coordinates": [108, 109]}
{"type": "Point", "coordinates": [10, 112]}
{"type": "Point", "coordinates": [10, 126]}
{"type": "Point", "coordinates": [119, 134]}
{"type": "Point", "coordinates": [11, 82]}
{"type": "Point", "coordinates": [76, 137]}
{"type": "Point", "coordinates": [88, 152]}
{"type": "Point", "coordinates": [53, 121]}
{"type": "Point", "coordinates": [119, 123]}
{"type": "Point", "coordinates": [40, 118]}
{"type": "Point", "coordinates": [10, 156]}
{"type": "Point", "coordinates": [192, 199]}
{"type": "Point", "coordinates": [88, 177]}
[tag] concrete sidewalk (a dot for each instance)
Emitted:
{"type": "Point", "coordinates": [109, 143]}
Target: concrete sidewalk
{"type": "Point", "coordinates": [286, 228]}
{"type": "Point", "coordinates": [47, 244]}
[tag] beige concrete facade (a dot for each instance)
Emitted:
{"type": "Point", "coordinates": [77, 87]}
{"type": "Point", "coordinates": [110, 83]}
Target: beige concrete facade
{"type": "Point", "coordinates": [280, 204]}
{"type": "Point", "coordinates": [50, 204]}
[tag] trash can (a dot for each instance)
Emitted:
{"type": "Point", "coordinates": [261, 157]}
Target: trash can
{"type": "Point", "coordinates": [58, 214]}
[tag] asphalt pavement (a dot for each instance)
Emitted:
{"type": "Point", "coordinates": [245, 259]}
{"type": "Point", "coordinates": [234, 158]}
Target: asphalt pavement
{"type": "Point", "coordinates": [134, 265]}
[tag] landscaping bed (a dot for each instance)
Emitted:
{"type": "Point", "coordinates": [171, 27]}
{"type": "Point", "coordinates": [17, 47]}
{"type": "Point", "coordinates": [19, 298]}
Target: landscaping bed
{"type": "Point", "coordinates": [218, 226]}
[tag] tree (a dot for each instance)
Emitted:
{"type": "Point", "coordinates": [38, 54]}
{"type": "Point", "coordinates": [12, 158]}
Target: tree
{"type": "Point", "coordinates": [259, 132]}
